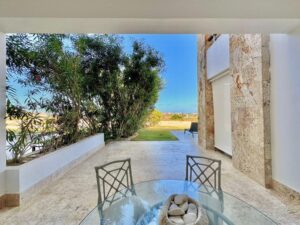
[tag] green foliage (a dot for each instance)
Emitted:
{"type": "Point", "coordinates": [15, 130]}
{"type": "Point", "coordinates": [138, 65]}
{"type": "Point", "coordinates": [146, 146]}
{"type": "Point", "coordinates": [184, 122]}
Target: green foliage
{"type": "Point", "coordinates": [154, 118]}
{"type": "Point", "coordinates": [86, 82]}
{"type": "Point", "coordinates": [177, 117]}
{"type": "Point", "coordinates": [120, 89]}
{"type": "Point", "coordinates": [20, 141]}
{"type": "Point", "coordinates": [150, 134]}
{"type": "Point", "coordinates": [67, 98]}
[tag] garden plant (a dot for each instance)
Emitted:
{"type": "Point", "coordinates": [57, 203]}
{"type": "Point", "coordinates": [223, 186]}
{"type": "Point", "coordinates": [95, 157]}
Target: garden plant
{"type": "Point", "coordinates": [86, 83]}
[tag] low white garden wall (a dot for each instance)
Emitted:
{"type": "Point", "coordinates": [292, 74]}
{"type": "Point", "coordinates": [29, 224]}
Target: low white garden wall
{"type": "Point", "coordinates": [23, 177]}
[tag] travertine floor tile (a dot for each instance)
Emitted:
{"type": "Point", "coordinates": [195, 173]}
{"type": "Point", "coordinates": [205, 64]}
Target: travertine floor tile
{"type": "Point", "coordinates": [69, 199]}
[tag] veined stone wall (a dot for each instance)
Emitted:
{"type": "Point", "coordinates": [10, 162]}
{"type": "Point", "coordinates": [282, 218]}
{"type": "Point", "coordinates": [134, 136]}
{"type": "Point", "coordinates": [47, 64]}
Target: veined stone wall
{"type": "Point", "coordinates": [250, 106]}
{"type": "Point", "coordinates": [205, 100]}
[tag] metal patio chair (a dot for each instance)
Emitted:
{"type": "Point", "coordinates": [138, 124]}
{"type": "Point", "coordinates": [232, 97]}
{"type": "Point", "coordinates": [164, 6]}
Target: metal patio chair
{"type": "Point", "coordinates": [204, 170]}
{"type": "Point", "coordinates": [114, 180]}
{"type": "Point", "coordinates": [115, 186]}
{"type": "Point", "coordinates": [207, 171]}
{"type": "Point", "coordinates": [193, 128]}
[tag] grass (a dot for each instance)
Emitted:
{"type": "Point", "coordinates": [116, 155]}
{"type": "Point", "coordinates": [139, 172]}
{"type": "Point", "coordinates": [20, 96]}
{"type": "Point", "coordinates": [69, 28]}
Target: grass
{"type": "Point", "coordinates": [154, 134]}
{"type": "Point", "coordinates": [161, 131]}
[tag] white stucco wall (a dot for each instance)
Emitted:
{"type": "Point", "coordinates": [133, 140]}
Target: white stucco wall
{"type": "Point", "coordinates": [21, 178]}
{"type": "Point", "coordinates": [285, 108]}
{"type": "Point", "coordinates": [2, 111]}
{"type": "Point", "coordinates": [218, 56]}
{"type": "Point", "coordinates": [218, 63]}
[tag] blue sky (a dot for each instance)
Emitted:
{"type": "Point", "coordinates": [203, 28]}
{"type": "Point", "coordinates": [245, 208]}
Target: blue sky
{"type": "Point", "coordinates": [179, 51]}
{"type": "Point", "coordinates": [180, 75]}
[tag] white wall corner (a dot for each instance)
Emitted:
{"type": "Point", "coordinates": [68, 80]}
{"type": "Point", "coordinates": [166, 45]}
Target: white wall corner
{"type": "Point", "coordinates": [295, 30]}
{"type": "Point", "coordinates": [2, 111]}
{"type": "Point", "coordinates": [285, 108]}
{"type": "Point", "coordinates": [12, 181]}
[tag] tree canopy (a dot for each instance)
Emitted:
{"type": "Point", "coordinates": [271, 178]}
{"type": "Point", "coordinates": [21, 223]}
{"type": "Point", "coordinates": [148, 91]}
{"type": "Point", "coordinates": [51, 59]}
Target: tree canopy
{"type": "Point", "coordinates": [88, 82]}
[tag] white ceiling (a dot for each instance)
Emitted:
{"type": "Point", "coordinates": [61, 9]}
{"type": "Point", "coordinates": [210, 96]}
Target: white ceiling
{"type": "Point", "coordinates": [149, 16]}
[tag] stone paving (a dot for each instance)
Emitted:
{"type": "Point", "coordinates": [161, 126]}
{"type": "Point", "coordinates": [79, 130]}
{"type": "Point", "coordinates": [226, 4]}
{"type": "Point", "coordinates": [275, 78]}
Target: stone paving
{"type": "Point", "coordinates": [68, 200]}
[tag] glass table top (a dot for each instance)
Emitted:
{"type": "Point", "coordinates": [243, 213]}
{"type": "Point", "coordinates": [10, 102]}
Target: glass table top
{"type": "Point", "coordinates": [144, 206]}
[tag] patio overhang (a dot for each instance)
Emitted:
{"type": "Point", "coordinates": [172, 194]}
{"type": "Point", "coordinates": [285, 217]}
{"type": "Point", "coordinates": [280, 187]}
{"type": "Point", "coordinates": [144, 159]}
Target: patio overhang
{"type": "Point", "coordinates": [134, 16]}
{"type": "Point", "coordinates": [146, 25]}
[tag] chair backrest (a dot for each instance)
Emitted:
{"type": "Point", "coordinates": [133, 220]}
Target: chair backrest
{"type": "Point", "coordinates": [114, 179]}
{"type": "Point", "coordinates": [204, 170]}
{"type": "Point", "coordinates": [194, 127]}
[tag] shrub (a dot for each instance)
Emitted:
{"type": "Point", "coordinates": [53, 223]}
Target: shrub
{"type": "Point", "coordinates": [154, 118]}
{"type": "Point", "coordinates": [177, 117]}
{"type": "Point", "coordinates": [123, 88]}
{"type": "Point", "coordinates": [20, 141]}
{"type": "Point", "coordinates": [87, 83]}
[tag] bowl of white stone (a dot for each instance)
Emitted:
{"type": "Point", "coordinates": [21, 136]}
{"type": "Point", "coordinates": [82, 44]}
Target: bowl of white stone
{"type": "Point", "coordinates": [180, 209]}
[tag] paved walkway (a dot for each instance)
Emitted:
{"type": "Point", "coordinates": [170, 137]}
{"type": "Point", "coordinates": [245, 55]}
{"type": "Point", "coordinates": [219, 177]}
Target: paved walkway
{"type": "Point", "coordinates": [67, 200]}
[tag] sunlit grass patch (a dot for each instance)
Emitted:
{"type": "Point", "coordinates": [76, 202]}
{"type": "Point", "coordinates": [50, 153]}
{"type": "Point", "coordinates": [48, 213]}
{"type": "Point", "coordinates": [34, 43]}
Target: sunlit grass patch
{"type": "Point", "coordinates": [154, 134]}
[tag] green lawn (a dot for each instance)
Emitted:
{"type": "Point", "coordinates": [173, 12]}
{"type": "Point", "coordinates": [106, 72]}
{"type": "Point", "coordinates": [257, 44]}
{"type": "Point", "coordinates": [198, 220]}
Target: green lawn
{"type": "Point", "coordinates": [154, 134]}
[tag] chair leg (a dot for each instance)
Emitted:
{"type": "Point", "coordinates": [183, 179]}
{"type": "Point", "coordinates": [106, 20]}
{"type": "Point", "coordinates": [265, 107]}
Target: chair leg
{"type": "Point", "coordinates": [102, 220]}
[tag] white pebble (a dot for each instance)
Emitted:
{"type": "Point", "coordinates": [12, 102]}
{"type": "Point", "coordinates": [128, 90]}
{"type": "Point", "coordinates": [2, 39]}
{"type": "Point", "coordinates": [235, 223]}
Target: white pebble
{"type": "Point", "coordinates": [184, 206]}
{"type": "Point", "coordinates": [192, 208]}
{"type": "Point", "coordinates": [173, 206]}
{"type": "Point", "coordinates": [179, 199]}
{"type": "Point", "coordinates": [177, 220]}
{"type": "Point", "coordinates": [189, 218]}
{"type": "Point", "coordinates": [176, 211]}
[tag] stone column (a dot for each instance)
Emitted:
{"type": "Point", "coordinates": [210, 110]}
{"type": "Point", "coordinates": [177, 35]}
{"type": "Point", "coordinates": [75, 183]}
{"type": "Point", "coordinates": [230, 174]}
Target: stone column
{"type": "Point", "coordinates": [250, 105]}
{"type": "Point", "coordinates": [2, 115]}
{"type": "Point", "coordinates": [205, 100]}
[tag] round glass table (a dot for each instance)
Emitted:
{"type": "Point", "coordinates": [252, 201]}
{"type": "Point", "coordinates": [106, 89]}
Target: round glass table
{"type": "Point", "coordinates": [143, 206]}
